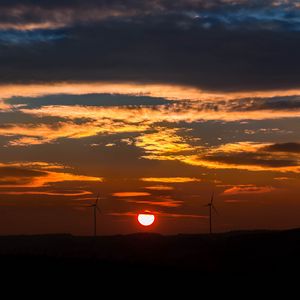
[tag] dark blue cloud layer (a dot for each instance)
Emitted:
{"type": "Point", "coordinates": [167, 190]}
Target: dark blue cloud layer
{"type": "Point", "coordinates": [252, 45]}
{"type": "Point", "coordinates": [87, 100]}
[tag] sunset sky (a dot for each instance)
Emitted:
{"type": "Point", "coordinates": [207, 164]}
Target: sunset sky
{"type": "Point", "coordinates": [152, 104]}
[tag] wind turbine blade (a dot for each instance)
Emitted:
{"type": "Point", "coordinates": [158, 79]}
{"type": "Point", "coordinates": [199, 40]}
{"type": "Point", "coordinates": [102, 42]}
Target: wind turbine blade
{"type": "Point", "coordinates": [215, 210]}
{"type": "Point", "coordinates": [212, 197]}
{"type": "Point", "coordinates": [97, 199]}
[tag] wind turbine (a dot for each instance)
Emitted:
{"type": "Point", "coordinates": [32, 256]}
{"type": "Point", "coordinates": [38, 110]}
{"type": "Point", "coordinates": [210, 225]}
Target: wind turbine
{"type": "Point", "coordinates": [211, 209]}
{"type": "Point", "coordinates": [96, 209]}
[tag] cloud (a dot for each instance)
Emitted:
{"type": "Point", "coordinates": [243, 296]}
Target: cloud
{"type": "Point", "coordinates": [250, 189]}
{"type": "Point", "coordinates": [159, 141]}
{"type": "Point", "coordinates": [173, 113]}
{"type": "Point", "coordinates": [248, 156]}
{"type": "Point", "coordinates": [47, 193]}
{"type": "Point", "coordinates": [61, 92]}
{"type": "Point", "coordinates": [283, 178]}
{"type": "Point", "coordinates": [36, 176]}
{"type": "Point", "coordinates": [170, 179]}
{"type": "Point", "coordinates": [227, 45]}
{"type": "Point", "coordinates": [35, 134]}
{"type": "Point", "coordinates": [159, 188]}
{"type": "Point", "coordinates": [283, 147]}
{"type": "Point", "coordinates": [53, 122]}
{"type": "Point", "coordinates": [4, 106]}
{"type": "Point", "coordinates": [162, 214]}
{"type": "Point", "coordinates": [131, 194]}
{"type": "Point", "coordinates": [103, 99]}
{"type": "Point", "coordinates": [241, 155]}
{"type": "Point", "coordinates": [39, 165]}
{"type": "Point", "coordinates": [162, 202]}
{"type": "Point", "coordinates": [46, 14]}
{"type": "Point", "coordinates": [105, 120]}
{"type": "Point", "coordinates": [184, 216]}
{"type": "Point", "coordinates": [164, 144]}
{"type": "Point", "coordinates": [275, 103]}
{"type": "Point", "coordinates": [249, 159]}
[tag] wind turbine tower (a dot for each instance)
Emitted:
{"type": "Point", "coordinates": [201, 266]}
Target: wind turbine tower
{"type": "Point", "coordinates": [212, 208]}
{"type": "Point", "coordinates": [96, 209]}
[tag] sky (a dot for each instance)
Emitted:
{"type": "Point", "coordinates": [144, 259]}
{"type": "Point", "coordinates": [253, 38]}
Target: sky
{"type": "Point", "coordinates": [154, 105]}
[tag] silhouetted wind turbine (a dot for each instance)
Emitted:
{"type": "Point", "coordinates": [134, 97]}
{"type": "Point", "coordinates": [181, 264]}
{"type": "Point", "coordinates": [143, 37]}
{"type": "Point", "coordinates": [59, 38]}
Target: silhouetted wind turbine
{"type": "Point", "coordinates": [96, 209]}
{"type": "Point", "coordinates": [211, 208]}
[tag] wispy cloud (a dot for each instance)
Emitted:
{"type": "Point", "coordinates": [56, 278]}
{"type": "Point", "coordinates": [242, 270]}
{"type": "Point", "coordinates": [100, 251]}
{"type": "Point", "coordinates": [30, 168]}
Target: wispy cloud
{"type": "Point", "coordinates": [249, 156]}
{"type": "Point", "coordinates": [162, 90]}
{"type": "Point", "coordinates": [57, 14]}
{"type": "Point", "coordinates": [33, 175]}
{"type": "Point", "coordinates": [164, 144]}
{"type": "Point", "coordinates": [162, 214]}
{"type": "Point", "coordinates": [250, 189]}
{"type": "Point", "coordinates": [130, 194]}
{"type": "Point", "coordinates": [35, 134]}
{"type": "Point", "coordinates": [170, 179]}
{"type": "Point", "coordinates": [159, 188]}
{"type": "Point", "coordinates": [161, 201]}
{"type": "Point", "coordinates": [47, 193]}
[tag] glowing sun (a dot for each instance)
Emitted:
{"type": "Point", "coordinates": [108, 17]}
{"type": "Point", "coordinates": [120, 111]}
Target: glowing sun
{"type": "Point", "coordinates": [146, 219]}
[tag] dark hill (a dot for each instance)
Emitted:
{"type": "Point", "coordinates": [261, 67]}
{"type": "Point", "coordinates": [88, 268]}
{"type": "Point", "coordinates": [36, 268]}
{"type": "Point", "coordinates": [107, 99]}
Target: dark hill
{"type": "Point", "coordinates": [259, 252]}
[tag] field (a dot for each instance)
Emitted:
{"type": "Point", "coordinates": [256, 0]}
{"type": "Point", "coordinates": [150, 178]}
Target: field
{"type": "Point", "coordinates": [258, 252]}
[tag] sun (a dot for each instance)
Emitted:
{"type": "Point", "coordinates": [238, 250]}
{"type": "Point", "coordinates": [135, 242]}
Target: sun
{"type": "Point", "coordinates": [146, 218]}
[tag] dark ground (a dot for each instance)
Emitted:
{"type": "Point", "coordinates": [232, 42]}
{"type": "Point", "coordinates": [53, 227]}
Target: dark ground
{"type": "Point", "coordinates": [259, 252]}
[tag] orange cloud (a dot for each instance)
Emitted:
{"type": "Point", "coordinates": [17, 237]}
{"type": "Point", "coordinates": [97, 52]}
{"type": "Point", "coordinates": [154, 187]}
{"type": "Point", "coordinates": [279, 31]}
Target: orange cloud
{"type": "Point", "coordinates": [158, 203]}
{"type": "Point", "coordinates": [41, 165]}
{"type": "Point", "coordinates": [159, 188]}
{"type": "Point", "coordinates": [163, 202]}
{"type": "Point", "coordinates": [197, 107]}
{"type": "Point", "coordinates": [187, 216]}
{"type": "Point", "coordinates": [158, 142]}
{"type": "Point", "coordinates": [69, 194]}
{"type": "Point", "coordinates": [130, 194]}
{"type": "Point", "coordinates": [172, 113]}
{"type": "Point", "coordinates": [164, 144]}
{"type": "Point", "coordinates": [250, 189]}
{"type": "Point", "coordinates": [4, 106]}
{"type": "Point", "coordinates": [34, 134]}
{"type": "Point", "coordinates": [172, 92]}
{"type": "Point", "coordinates": [47, 179]}
{"type": "Point", "coordinates": [249, 156]}
{"type": "Point", "coordinates": [171, 215]}
{"type": "Point", "coordinates": [170, 179]}
{"type": "Point", "coordinates": [35, 175]}
{"type": "Point", "coordinates": [283, 178]}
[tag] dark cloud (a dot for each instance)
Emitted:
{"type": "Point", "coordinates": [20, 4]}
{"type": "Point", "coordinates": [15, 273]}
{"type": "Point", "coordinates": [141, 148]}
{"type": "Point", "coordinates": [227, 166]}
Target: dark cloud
{"type": "Point", "coordinates": [18, 176]}
{"type": "Point", "coordinates": [32, 10]}
{"type": "Point", "coordinates": [209, 44]}
{"type": "Point", "coordinates": [271, 156]}
{"type": "Point", "coordinates": [87, 100]}
{"type": "Point", "coordinates": [252, 159]}
{"type": "Point", "coordinates": [27, 38]}
{"type": "Point", "coordinates": [274, 103]}
{"type": "Point", "coordinates": [12, 171]}
{"type": "Point", "coordinates": [284, 147]}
